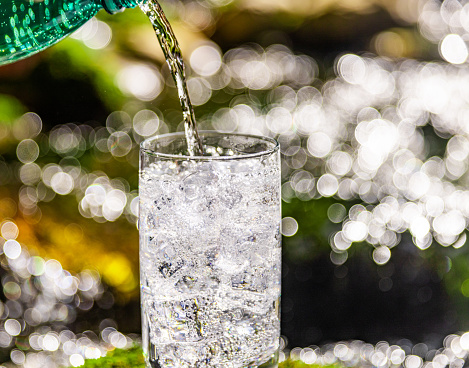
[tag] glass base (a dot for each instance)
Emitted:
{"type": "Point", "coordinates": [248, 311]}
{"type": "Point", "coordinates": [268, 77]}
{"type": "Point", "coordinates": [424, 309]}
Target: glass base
{"type": "Point", "coordinates": [151, 360]}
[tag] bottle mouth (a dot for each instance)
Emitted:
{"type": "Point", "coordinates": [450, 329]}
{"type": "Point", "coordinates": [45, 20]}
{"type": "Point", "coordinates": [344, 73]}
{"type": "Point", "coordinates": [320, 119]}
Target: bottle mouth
{"type": "Point", "coordinates": [111, 6]}
{"type": "Point", "coordinates": [116, 6]}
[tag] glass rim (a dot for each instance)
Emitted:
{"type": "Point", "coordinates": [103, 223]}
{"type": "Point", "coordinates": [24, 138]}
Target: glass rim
{"type": "Point", "coordinates": [154, 153]}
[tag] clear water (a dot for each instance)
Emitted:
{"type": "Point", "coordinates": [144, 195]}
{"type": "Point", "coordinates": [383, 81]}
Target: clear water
{"type": "Point", "coordinates": [210, 262]}
{"type": "Point", "coordinates": [172, 52]}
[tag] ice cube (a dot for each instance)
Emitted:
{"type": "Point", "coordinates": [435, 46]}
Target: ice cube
{"type": "Point", "coordinates": [231, 197]}
{"type": "Point", "coordinates": [252, 279]}
{"type": "Point", "coordinates": [155, 312]}
{"type": "Point", "coordinates": [231, 264]}
{"type": "Point", "coordinates": [182, 320]}
{"type": "Point", "coordinates": [174, 320]}
{"type": "Point", "coordinates": [169, 268]}
{"type": "Point", "coordinates": [191, 186]}
{"type": "Point", "coordinates": [163, 201]}
{"type": "Point", "coordinates": [186, 284]}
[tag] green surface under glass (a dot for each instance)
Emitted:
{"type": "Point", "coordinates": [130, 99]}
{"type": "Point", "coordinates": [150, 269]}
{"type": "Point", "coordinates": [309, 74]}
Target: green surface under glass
{"type": "Point", "coordinates": [29, 26]}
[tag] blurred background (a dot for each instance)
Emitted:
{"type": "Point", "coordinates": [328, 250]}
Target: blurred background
{"type": "Point", "coordinates": [370, 102]}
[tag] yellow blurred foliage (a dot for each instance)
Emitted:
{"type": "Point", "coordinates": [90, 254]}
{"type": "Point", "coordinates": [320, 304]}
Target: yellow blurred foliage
{"type": "Point", "coordinates": [116, 270]}
{"type": "Point", "coordinates": [111, 249]}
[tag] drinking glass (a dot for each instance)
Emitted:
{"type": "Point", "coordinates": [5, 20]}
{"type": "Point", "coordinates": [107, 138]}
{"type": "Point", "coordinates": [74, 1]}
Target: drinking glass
{"type": "Point", "coordinates": [210, 251]}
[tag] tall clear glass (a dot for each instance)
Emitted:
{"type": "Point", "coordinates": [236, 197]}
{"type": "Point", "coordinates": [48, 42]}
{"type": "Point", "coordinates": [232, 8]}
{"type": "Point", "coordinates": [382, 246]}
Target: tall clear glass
{"type": "Point", "coordinates": [210, 251]}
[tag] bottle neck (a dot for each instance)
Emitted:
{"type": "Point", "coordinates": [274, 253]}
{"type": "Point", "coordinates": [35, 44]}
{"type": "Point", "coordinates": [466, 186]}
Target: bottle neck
{"type": "Point", "coordinates": [116, 6]}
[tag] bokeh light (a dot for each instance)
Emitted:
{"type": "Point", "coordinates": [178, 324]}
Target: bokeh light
{"type": "Point", "coordinates": [140, 80]}
{"type": "Point", "coordinates": [41, 298]}
{"type": "Point", "coordinates": [289, 226]}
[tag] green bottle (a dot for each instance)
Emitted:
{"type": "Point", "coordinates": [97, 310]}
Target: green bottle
{"type": "Point", "coordinates": [29, 26]}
